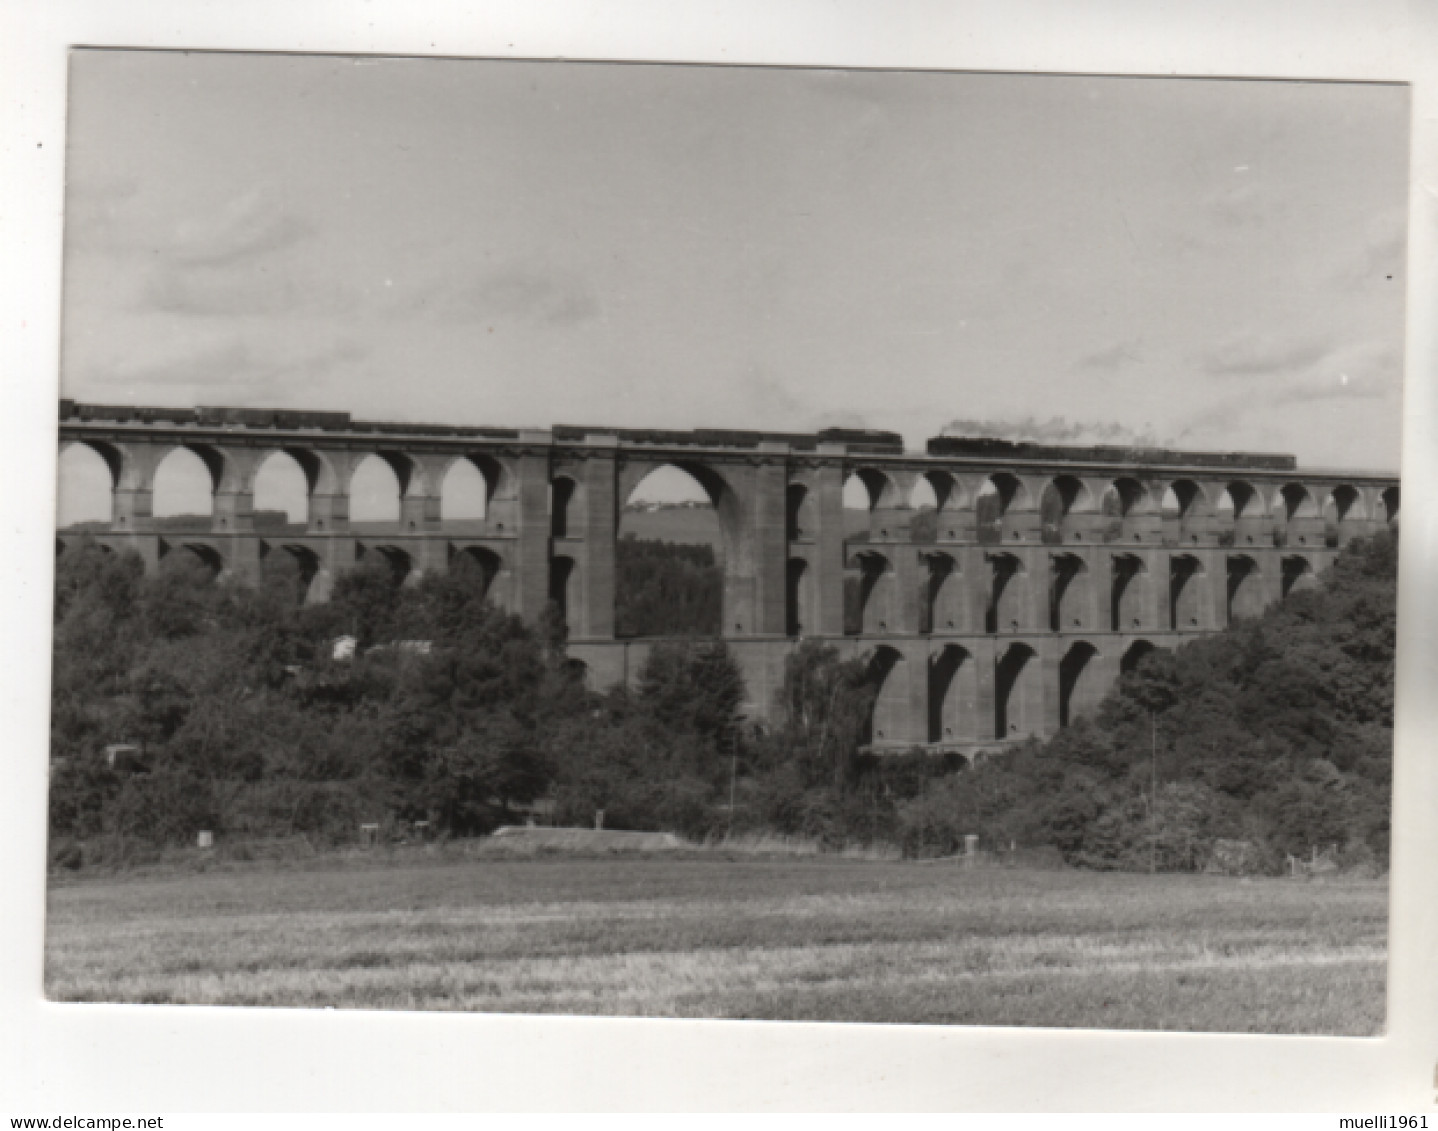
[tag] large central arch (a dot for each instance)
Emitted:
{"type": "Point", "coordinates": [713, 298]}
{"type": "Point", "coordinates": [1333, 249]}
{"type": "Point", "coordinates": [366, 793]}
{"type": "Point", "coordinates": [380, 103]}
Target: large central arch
{"type": "Point", "coordinates": [734, 555]}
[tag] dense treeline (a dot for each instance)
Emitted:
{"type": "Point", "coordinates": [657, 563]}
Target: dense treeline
{"type": "Point", "coordinates": [666, 589]}
{"type": "Point", "coordinates": [247, 720]}
{"type": "Point", "coordinates": [1276, 734]}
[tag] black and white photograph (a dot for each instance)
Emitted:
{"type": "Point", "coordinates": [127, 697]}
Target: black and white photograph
{"type": "Point", "coordinates": [888, 547]}
{"type": "Point", "coordinates": [727, 542]}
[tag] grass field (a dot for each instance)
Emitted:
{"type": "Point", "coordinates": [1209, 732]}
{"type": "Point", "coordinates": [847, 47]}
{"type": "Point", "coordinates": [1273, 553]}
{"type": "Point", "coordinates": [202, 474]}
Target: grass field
{"type": "Point", "coordinates": [709, 936]}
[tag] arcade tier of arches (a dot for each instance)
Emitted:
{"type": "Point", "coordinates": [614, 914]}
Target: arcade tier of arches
{"type": "Point", "coordinates": [972, 695]}
{"type": "Point", "coordinates": [832, 546]}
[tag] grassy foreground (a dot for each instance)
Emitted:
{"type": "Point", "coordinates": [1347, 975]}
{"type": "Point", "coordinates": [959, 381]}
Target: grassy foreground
{"type": "Point", "coordinates": [796, 939]}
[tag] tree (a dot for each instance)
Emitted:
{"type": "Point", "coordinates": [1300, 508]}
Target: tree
{"type": "Point", "coordinates": [824, 703]}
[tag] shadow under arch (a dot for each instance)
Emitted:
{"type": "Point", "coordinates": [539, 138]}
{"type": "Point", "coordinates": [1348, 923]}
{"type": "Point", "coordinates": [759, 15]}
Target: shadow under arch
{"type": "Point", "coordinates": [797, 599]}
{"type": "Point", "coordinates": [948, 503]}
{"type": "Point", "coordinates": [1244, 588]}
{"type": "Point", "coordinates": [563, 588]}
{"type": "Point", "coordinates": [1003, 610]}
{"type": "Point", "coordinates": [1130, 572]}
{"type": "Point", "coordinates": [1185, 581]}
{"type": "Point", "coordinates": [1016, 691]}
{"type": "Point", "coordinates": [401, 565]}
{"type": "Point", "coordinates": [1297, 575]}
{"type": "Point", "coordinates": [565, 502]}
{"type": "Point", "coordinates": [881, 721]}
{"type": "Point", "coordinates": [195, 558]}
{"type": "Point", "coordinates": [1062, 496]}
{"type": "Point", "coordinates": [870, 609]}
{"type": "Point", "coordinates": [951, 693]}
{"type": "Point", "coordinates": [294, 567]}
{"type": "Point", "coordinates": [1076, 681]}
{"type": "Point", "coordinates": [480, 562]}
{"type": "Point", "coordinates": [1001, 493]}
{"type": "Point", "coordinates": [941, 608]}
{"type": "Point", "coordinates": [1068, 592]}
{"type": "Point", "coordinates": [1134, 655]}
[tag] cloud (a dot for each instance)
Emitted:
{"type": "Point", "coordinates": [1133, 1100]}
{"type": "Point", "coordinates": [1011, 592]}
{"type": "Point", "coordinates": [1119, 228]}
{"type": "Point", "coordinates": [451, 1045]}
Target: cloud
{"type": "Point", "coordinates": [1347, 383]}
{"type": "Point", "coordinates": [116, 216]}
{"type": "Point", "coordinates": [231, 371]}
{"type": "Point", "coordinates": [1116, 356]}
{"type": "Point", "coordinates": [239, 289]}
{"type": "Point", "coordinates": [99, 215]}
{"type": "Point", "coordinates": [515, 293]}
{"type": "Point", "coordinates": [1380, 255]}
{"type": "Point", "coordinates": [1242, 204]}
{"type": "Point", "coordinates": [1367, 371]}
{"type": "Point", "coordinates": [254, 224]}
{"type": "Point", "coordinates": [1250, 355]}
{"type": "Point", "coordinates": [1058, 430]}
{"type": "Point", "coordinates": [236, 262]}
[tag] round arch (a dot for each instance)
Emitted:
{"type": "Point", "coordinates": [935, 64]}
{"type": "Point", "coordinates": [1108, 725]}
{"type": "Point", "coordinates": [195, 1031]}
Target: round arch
{"type": "Point", "coordinates": [1185, 591]}
{"type": "Point", "coordinates": [680, 526]}
{"type": "Point", "coordinates": [401, 565]}
{"type": "Point", "coordinates": [1079, 689]}
{"type": "Point", "coordinates": [292, 567]}
{"type": "Point", "coordinates": [195, 558]}
{"type": "Point", "coordinates": [481, 561]}
{"type": "Point", "coordinates": [1390, 502]}
{"type": "Point", "coordinates": [282, 484]}
{"type": "Point", "coordinates": [798, 513]}
{"type": "Point", "coordinates": [87, 475]}
{"type": "Point", "coordinates": [1245, 592]}
{"type": "Point", "coordinates": [1183, 498]}
{"type": "Point", "coordinates": [1298, 574]}
{"type": "Point", "coordinates": [566, 519]}
{"type": "Point", "coordinates": [941, 609]}
{"type": "Point", "coordinates": [1135, 654]}
{"type": "Point", "coordinates": [1296, 501]}
{"type": "Point", "coordinates": [1070, 591]}
{"type": "Point", "coordinates": [1018, 693]}
{"type": "Point", "coordinates": [1240, 499]}
{"type": "Point", "coordinates": [1126, 497]}
{"type": "Point", "coordinates": [952, 684]}
{"type": "Point", "coordinates": [1005, 608]}
{"type": "Point", "coordinates": [464, 494]}
{"type": "Point", "coordinates": [872, 604]}
{"type": "Point", "coordinates": [376, 489]}
{"type": "Point", "coordinates": [885, 678]}
{"type": "Point", "coordinates": [1126, 597]}
{"type": "Point", "coordinates": [185, 481]}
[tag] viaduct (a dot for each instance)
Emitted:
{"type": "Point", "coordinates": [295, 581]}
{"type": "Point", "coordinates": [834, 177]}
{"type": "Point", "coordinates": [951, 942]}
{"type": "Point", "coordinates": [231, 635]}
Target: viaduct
{"type": "Point", "coordinates": [1007, 610]}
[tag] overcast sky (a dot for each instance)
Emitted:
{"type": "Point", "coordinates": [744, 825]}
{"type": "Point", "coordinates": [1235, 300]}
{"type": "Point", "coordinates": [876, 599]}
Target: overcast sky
{"type": "Point", "coordinates": [1204, 264]}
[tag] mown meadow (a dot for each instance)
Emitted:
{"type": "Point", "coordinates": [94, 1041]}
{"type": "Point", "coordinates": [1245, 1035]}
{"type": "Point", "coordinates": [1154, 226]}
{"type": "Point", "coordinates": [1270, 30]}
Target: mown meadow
{"type": "Point", "coordinates": [715, 934]}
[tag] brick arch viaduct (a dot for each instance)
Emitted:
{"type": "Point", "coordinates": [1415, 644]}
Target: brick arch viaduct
{"type": "Point", "coordinates": [1039, 575]}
